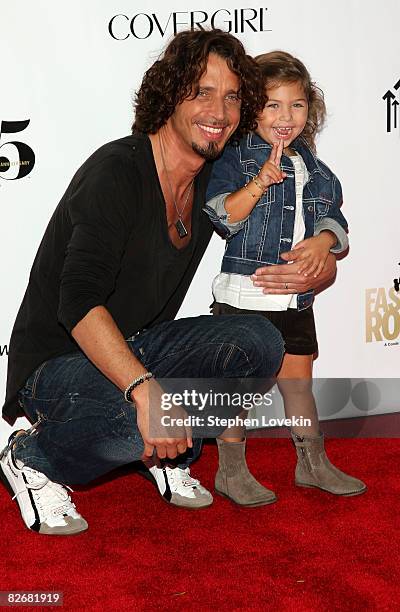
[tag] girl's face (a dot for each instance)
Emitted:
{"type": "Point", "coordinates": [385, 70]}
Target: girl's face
{"type": "Point", "coordinates": [285, 114]}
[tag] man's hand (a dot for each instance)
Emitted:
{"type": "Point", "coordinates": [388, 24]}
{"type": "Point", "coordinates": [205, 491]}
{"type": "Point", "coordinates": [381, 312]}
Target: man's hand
{"type": "Point", "coordinates": [100, 339]}
{"type": "Point", "coordinates": [168, 441]}
{"type": "Point", "coordinates": [312, 253]}
{"type": "Point", "coordinates": [284, 279]}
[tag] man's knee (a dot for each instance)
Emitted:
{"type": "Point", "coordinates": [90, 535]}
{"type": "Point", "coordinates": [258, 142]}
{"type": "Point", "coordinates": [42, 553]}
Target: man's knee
{"type": "Point", "coordinates": [266, 344]}
{"type": "Point", "coordinates": [260, 343]}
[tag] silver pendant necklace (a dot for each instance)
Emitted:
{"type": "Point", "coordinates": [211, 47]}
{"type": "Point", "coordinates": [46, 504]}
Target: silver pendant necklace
{"type": "Point", "coordinates": [179, 225]}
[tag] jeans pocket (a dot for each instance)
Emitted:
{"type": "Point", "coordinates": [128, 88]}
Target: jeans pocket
{"type": "Point", "coordinates": [30, 386]}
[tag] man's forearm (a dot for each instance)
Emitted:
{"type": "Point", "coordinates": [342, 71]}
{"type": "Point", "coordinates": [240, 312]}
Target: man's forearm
{"type": "Point", "coordinates": [102, 342]}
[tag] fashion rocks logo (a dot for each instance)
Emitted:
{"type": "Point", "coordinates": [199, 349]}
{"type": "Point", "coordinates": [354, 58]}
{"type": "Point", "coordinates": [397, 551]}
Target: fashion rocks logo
{"type": "Point", "coordinates": [392, 105]}
{"type": "Point", "coordinates": [382, 316]}
{"type": "Point", "coordinates": [145, 25]}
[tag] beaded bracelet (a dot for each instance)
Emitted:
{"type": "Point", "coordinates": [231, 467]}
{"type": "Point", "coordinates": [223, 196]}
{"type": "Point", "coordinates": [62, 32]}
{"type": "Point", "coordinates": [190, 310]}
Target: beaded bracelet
{"type": "Point", "coordinates": [135, 383]}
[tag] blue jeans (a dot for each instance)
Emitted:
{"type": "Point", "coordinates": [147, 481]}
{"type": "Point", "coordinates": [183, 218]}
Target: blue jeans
{"type": "Point", "coordinates": [87, 428]}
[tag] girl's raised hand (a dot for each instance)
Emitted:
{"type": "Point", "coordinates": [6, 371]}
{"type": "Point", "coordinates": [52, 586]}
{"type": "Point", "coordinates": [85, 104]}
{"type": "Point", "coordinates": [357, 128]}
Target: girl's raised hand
{"type": "Point", "coordinates": [277, 149]}
{"type": "Point", "coordinates": [271, 173]}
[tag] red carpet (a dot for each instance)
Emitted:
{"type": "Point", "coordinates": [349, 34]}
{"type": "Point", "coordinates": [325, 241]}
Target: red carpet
{"type": "Point", "coordinates": [309, 551]}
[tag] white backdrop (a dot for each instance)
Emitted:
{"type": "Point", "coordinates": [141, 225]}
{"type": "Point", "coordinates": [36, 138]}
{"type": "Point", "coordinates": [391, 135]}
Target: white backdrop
{"type": "Point", "coordinates": [63, 71]}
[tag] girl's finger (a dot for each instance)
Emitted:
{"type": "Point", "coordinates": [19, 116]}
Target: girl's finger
{"type": "Point", "coordinates": [272, 155]}
{"type": "Point", "coordinates": [304, 266]}
{"type": "Point", "coordinates": [277, 176]}
{"type": "Point", "coordinates": [319, 269]}
{"type": "Point", "coordinates": [300, 244]}
{"type": "Point", "coordinates": [311, 268]}
{"type": "Point", "coordinates": [279, 152]}
{"type": "Point", "coordinates": [271, 175]}
{"type": "Point", "coordinates": [298, 255]}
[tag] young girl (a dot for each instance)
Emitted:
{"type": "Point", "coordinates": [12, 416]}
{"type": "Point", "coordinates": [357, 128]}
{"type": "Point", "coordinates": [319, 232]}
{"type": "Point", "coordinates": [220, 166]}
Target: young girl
{"type": "Point", "coordinates": [268, 195]}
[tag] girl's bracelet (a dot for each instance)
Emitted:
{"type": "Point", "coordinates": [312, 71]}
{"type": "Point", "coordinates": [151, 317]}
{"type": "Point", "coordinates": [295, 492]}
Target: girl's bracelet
{"type": "Point", "coordinates": [253, 195]}
{"type": "Point", "coordinates": [263, 189]}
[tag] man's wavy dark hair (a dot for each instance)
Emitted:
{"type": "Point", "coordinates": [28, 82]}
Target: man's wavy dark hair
{"type": "Point", "coordinates": [176, 74]}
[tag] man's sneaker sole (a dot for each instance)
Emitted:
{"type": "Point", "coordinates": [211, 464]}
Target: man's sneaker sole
{"type": "Point", "coordinates": [75, 526]}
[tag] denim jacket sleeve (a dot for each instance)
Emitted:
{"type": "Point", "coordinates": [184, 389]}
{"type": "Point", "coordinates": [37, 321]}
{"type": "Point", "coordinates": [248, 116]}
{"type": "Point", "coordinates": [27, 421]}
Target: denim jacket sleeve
{"type": "Point", "coordinates": [334, 211]}
{"type": "Point", "coordinates": [334, 220]}
{"type": "Point", "coordinates": [226, 177]}
{"type": "Point", "coordinates": [215, 208]}
{"type": "Point", "coordinates": [326, 223]}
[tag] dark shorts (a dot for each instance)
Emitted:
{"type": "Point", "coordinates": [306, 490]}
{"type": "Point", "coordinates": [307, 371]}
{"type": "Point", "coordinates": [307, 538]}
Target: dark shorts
{"type": "Point", "coordinates": [296, 326]}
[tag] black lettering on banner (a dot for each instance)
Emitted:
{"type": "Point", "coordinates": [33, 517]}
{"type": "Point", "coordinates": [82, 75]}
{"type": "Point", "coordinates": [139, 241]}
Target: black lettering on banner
{"type": "Point", "coordinates": [177, 23]}
{"type": "Point", "coordinates": [162, 32]}
{"type": "Point", "coordinates": [143, 25]}
{"type": "Point", "coordinates": [392, 107]}
{"type": "Point", "coordinates": [3, 350]}
{"type": "Point", "coordinates": [26, 157]}
{"type": "Point", "coordinates": [197, 24]}
{"type": "Point", "coordinates": [111, 30]}
{"type": "Point", "coordinates": [150, 22]}
{"type": "Point", "coordinates": [396, 283]}
{"type": "Point", "coordinates": [243, 20]}
{"type": "Point", "coordinates": [213, 17]}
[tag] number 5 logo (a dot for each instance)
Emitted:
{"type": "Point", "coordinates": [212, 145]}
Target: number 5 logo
{"type": "Point", "coordinates": [16, 158]}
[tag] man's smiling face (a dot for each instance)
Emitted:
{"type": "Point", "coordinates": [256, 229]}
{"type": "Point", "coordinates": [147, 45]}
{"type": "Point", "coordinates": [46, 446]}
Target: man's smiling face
{"type": "Point", "coordinates": [206, 122]}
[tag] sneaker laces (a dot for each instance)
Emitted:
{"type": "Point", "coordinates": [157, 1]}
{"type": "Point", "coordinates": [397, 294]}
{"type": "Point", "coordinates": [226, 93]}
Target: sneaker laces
{"type": "Point", "coordinates": [178, 476]}
{"type": "Point", "coordinates": [53, 497]}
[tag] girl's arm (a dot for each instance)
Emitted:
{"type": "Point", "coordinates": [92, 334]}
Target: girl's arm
{"type": "Point", "coordinates": [334, 220]}
{"type": "Point", "coordinates": [229, 203]}
{"type": "Point", "coordinates": [239, 204]}
{"type": "Point", "coordinates": [331, 225]}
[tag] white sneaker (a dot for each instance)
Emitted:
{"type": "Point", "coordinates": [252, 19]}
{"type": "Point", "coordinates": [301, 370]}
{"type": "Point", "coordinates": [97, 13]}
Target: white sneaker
{"type": "Point", "coordinates": [45, 506]}
{"type": "Point", "coordinates": [178, 487]}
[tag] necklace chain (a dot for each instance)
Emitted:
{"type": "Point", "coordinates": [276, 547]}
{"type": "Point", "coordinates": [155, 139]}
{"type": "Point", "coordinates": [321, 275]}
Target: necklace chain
{"type": "Point", "coordinates": [169, 184]}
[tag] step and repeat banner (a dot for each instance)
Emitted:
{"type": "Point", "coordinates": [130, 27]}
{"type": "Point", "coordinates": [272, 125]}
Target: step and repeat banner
{"type": "Point", "coordinates": [68, 76]}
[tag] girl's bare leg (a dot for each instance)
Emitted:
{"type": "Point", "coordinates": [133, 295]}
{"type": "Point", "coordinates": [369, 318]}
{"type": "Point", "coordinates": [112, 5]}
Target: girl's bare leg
{"type": "Point", "coordinates": [295, 385]}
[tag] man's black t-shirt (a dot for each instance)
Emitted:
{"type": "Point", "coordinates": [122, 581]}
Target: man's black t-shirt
{"type": "Point", "coordinates": [107, 243]}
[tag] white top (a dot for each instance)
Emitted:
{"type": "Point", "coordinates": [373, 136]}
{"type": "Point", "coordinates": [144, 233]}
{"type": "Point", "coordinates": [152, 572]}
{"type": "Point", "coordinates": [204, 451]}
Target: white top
{"type": "Point", "coordinates": [238, 290]}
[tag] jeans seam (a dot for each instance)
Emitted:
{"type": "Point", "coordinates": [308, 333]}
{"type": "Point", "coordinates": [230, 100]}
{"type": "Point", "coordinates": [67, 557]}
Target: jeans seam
{"type": "Point", "coordinates": [36, 379]}
{"type": "Point", "coordinates": [228, 356]}
{"type": "Point", "coordinates": [186, 349]}
{"type": "Point", "coordinates": [234, 346]}
{"type": "Point", "coordinates": [214, 363]}
{"type": "Point", "coordinates": [66, 396]}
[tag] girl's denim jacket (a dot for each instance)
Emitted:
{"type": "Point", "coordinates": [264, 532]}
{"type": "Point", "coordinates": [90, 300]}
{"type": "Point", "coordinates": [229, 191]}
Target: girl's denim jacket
{"type": "Point", "coordinates": [267, 232]}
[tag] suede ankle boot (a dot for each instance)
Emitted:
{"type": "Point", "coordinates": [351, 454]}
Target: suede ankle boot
{"type": "Point", "coordinates": [315, 470]}
{"type": "Point", "coordinates": [233, 479]}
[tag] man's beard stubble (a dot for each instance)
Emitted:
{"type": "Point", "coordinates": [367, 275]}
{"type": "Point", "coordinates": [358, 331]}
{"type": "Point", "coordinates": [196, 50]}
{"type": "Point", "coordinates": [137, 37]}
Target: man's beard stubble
{"type": "Point", "coordinates": [208, 153]}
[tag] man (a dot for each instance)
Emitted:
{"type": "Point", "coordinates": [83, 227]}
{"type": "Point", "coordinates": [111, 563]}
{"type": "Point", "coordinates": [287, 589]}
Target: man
{"type": "Point", "coordinates": [97, 320]}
